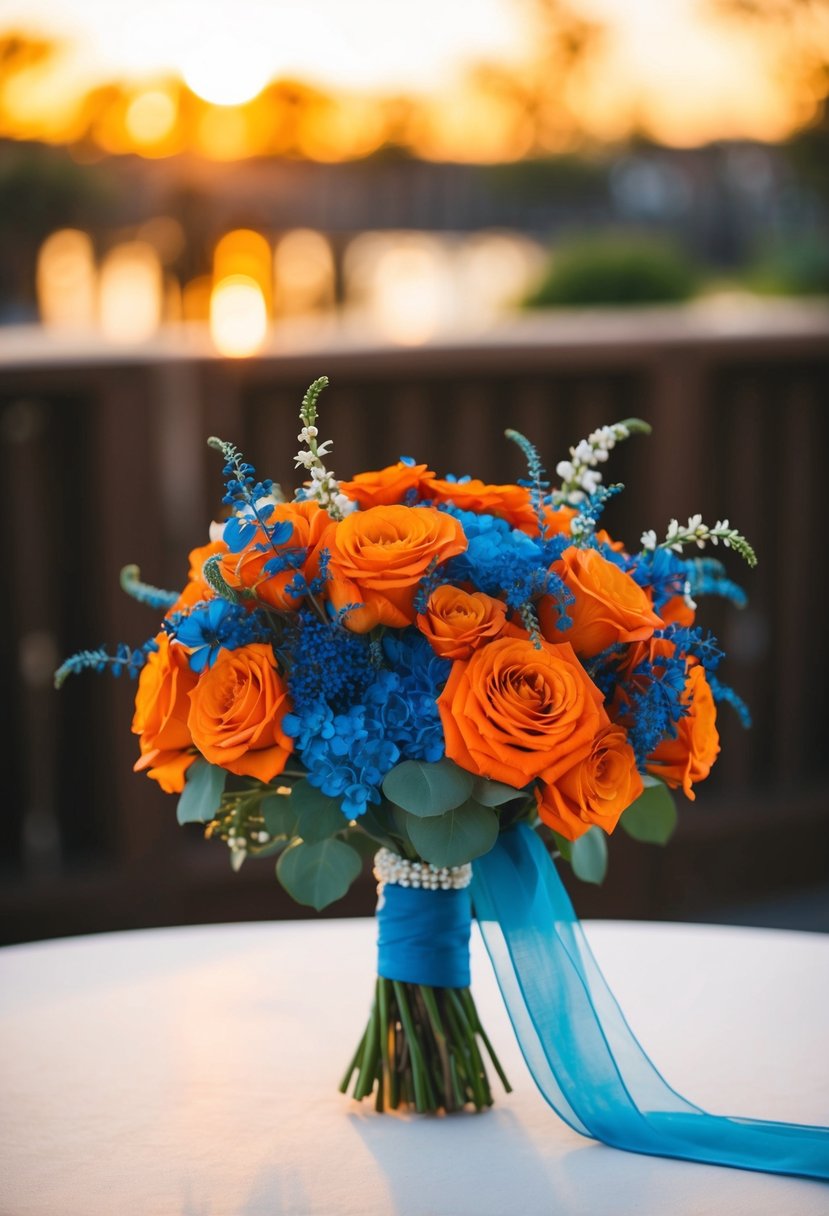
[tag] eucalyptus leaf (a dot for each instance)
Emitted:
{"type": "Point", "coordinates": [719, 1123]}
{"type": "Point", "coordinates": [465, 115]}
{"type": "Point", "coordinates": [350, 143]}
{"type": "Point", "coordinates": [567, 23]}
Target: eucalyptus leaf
{"type": "Point", "coordinates": [588, 856]}
{"type": "Point", "coordinates": [279, 815]}
{"type": "Point", "coordinates": [564, 846]}
{"type": "Point", "coordinates": [493, 793]}
{"type": "Point", "coordinates": [202, 794]}
{"type": "Point", "coordinates": [652, 817]}
{"type": "Point", "coordinates": [317, 874]}
{"type": "Point", "coordinates": [458, 836]}
{"type": "Point", "coordinates": [320, 819]}
{"type": "Point", "coordinates": [425, 789]}
{"type": "Point", "coordinates": [375, 824]}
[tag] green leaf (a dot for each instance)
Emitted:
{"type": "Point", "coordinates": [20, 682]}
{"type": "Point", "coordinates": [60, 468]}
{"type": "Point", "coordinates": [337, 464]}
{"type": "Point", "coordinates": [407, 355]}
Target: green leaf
{"type": "Point", "coordinates": [374, 823]}
{"type": "Point", "coordinates": [363, 844]}
{"type": "Point", "coordinates": [202, 794]}
{"type": "Point", "coordinates": [279, 815]}
{"type": "Point", "coordinates": [456, 837]}
{"type": "Point", "coordinates": [320, 818]}
{"type": "Point", "coordinates": [317, 874]}
{"type": "Point", "coordinates": [493, 793]}
{"type": "Point", "coordinates": [588, 856]}
{"type": "Point", "coordinates": [427, 789]}
{"type": "Point", "coordinates": [652, 817]}
{"type": "Point", "coordinates": [564, 846]}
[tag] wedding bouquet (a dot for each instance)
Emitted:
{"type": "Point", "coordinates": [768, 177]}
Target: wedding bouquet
{"type": "Point", "coordinates": [440, 672]}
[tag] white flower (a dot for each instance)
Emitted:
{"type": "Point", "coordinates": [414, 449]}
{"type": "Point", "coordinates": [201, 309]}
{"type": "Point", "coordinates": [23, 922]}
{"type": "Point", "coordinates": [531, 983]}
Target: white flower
{"type": "Point", "coordinates": [583, 452]}
{"type": "Point", "coordinates": [306, 459]}
{"type": "Point", "coordinates": [565, 470]}
{"type": "Point", "coordinates": [217, 529]}
{"type": "Point", "coordinates": [648, 540]}
{"type": "Point", "coordinates": [590, 481]}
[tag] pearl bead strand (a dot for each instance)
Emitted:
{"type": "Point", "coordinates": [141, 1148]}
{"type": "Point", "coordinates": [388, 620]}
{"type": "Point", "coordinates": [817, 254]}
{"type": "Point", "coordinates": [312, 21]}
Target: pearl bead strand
{"type": "Point", "coordinates": [390, 868]}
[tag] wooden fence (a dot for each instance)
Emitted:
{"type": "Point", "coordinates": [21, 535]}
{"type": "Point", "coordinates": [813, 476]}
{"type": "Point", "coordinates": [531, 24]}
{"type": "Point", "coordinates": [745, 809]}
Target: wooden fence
{"type": "Point", "coordinates": [105, 463]}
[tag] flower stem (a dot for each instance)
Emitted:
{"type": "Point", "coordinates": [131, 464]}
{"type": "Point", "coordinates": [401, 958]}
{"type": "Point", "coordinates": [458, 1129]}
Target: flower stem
{"type": "Point", "coordinates": [420, 1047]}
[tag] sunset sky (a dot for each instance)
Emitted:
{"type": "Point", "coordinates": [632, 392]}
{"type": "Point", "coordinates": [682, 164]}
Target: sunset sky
{"type": "Point", "coordinates": [666, 65]}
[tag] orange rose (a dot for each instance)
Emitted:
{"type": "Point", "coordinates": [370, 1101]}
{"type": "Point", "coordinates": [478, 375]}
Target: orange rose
{"type": "Point", "coordinates": [457, 622]}
{"type": "Point", "coordinates": [609, 606]}
{"type": "Point", "coordinates": [677, 611]}
{"type": "Point", "coordinates": [197, 589]}
{"type": "Point", "coordinates": [160, 719]}
{"type": "Point", "coordinates": [246, 569]}
{"type": "Point", "coordinates": [689, 757]}
{"type": "Point", "coordinates": [512, 713]}
{"type": "Point", "coordinates": [379, 556]}
{"type": "Point", "coordinates": [595, 790]}
{"type": "Point", "coordinates": [511, 503]}
{"type": "Point", "coordinates": [236, 712]}
{"type": "Point", "coordinates": [387, 486]}
{"type": "Point", "coordinates": [557, 520]}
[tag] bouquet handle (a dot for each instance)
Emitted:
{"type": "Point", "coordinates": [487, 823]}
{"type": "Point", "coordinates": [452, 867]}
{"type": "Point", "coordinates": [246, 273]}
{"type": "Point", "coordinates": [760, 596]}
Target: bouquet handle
{"type": "Point", "coordinates": [582, 1054]}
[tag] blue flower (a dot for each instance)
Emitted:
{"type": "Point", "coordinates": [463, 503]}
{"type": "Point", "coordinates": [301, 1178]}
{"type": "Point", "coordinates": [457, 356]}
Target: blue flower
{"type": "Point", "coordinates": [212, 626]}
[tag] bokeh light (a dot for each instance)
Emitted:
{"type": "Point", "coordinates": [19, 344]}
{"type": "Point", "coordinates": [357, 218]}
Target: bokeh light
{"type": "Point", "coordinates": [131, 293]}
{"type": "Point", "coordinates": [303, 273]}
{"type": "Point", "coordinates": [238, 316]}
{"type": "Point", "coordinates": [150, 117]}
{"type": "Point", "coordinates": [66, 280]}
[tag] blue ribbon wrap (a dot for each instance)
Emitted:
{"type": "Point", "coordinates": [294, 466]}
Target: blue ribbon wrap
{"type": "Point", "coordinates": [423, 936]}
{"type": "Point", "coordinates": [581, 1052]}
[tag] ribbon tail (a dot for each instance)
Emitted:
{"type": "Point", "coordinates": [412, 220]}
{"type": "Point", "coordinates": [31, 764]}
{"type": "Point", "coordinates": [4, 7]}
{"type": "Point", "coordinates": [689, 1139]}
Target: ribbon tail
{"type": "Point", "coordinates": [583, 1056]}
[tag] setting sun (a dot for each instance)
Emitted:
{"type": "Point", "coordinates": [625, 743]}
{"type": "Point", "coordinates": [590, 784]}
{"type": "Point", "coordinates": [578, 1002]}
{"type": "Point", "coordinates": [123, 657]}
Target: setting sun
{"type": "Point", "coordinates": [226, 69]}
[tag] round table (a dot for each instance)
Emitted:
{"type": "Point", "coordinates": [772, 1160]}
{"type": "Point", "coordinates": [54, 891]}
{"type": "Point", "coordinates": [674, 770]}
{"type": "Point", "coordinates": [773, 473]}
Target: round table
{"type": "Point", "coordinates": [195, 1071]}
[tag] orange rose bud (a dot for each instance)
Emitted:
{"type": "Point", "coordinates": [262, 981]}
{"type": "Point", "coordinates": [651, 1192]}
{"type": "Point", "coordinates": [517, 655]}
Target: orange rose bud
{"type": "Point", "coordinates": [379, 556]}
{"type": "Point", "coordinates": [246, 569]}
{"type": "Point", "coordinates": [509, 502]}
{"type": "Point", "coordinates": [236, 712]}
{"type": "Point", "coordinates": [512, 713]}
{"type": "Point", "coordinates": [160, 720]}
{"type": "Point", "coordinates": [609, 605]}
{"type": "Point", "coordinates": [457, 622]}
{"type": "Point", "coordinates": [689, 757]}
{"type": "Point", "coordinates": [387, 486]}
{"type": "Point", "coordinates": [595, 790]}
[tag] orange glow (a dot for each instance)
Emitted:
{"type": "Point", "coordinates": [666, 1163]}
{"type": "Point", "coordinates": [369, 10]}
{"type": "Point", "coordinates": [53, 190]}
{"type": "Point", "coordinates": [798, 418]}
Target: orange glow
{"type": "Point", "coordinates": [238, 316]}
{"type": "Point", "coordinates": [130, 293]}
{"type": "Point", "coordinates": [245, 252]}
{"type": "Point", "coordinates": [66, 280]}
{"type": "Point", "coordinates": [303, 273]}
{"type": "Point", "coordinates": [405, 281]}
{"type": "Point", "coordinates": [150, 117]}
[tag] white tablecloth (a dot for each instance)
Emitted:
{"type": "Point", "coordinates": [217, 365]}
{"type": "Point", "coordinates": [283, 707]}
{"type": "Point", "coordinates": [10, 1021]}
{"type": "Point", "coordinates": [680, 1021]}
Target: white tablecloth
{"type": "Point", "coordinates": [194, 1071]}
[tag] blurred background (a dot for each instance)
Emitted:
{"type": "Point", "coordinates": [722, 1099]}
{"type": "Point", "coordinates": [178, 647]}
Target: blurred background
{"type": "Point", "coordinates": [545, 214]}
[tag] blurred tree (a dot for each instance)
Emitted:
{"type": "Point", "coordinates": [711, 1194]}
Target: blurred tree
{"type": "Point", "coordinates": [795, 36]}
{"type": "Point", "coordinates": [542, 95]}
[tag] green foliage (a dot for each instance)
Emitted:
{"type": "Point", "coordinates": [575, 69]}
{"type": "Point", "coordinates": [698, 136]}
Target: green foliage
{"type": "Point", "coordinates": [318, 874]}
{"type": "Point", "coordinates": [427, 789]}
{"type": "Point", "coordinates": [617, 269]}
{"type": "Point", "coordinates": [588, 856]}
{"type": "Point", "coordinates": [494, 793]}
{"type": "Point", "coordinates": [798, 268]}
{"type": "Point", "coordinates": [279, 815]}
{"type": "Point", "coordinates": [652, 817]}
{"type": "Point", "coordinates": [318, 816]}
{"type": "Point", "coordinates": [202, 794]}
{"type": "Point", "coordinates": [456, 837]}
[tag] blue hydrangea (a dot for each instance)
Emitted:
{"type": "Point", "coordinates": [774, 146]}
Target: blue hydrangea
{"type": "Point", "coordinates": [389, 716]}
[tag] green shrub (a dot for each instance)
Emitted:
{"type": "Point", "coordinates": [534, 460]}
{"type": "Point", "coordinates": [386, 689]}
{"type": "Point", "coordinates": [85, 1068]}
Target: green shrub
{"type": "Point", "coordinates": [800, 268]}
{"type": "Point", "coordinates": [615, 269]}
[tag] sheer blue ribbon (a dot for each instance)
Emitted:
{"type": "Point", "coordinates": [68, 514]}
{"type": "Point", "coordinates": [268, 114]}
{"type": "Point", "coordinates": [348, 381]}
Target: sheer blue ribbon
{"type": "Point", "coordinates": [423, 936]}
{"type": "Point", "coordinates": [581, 1052]}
